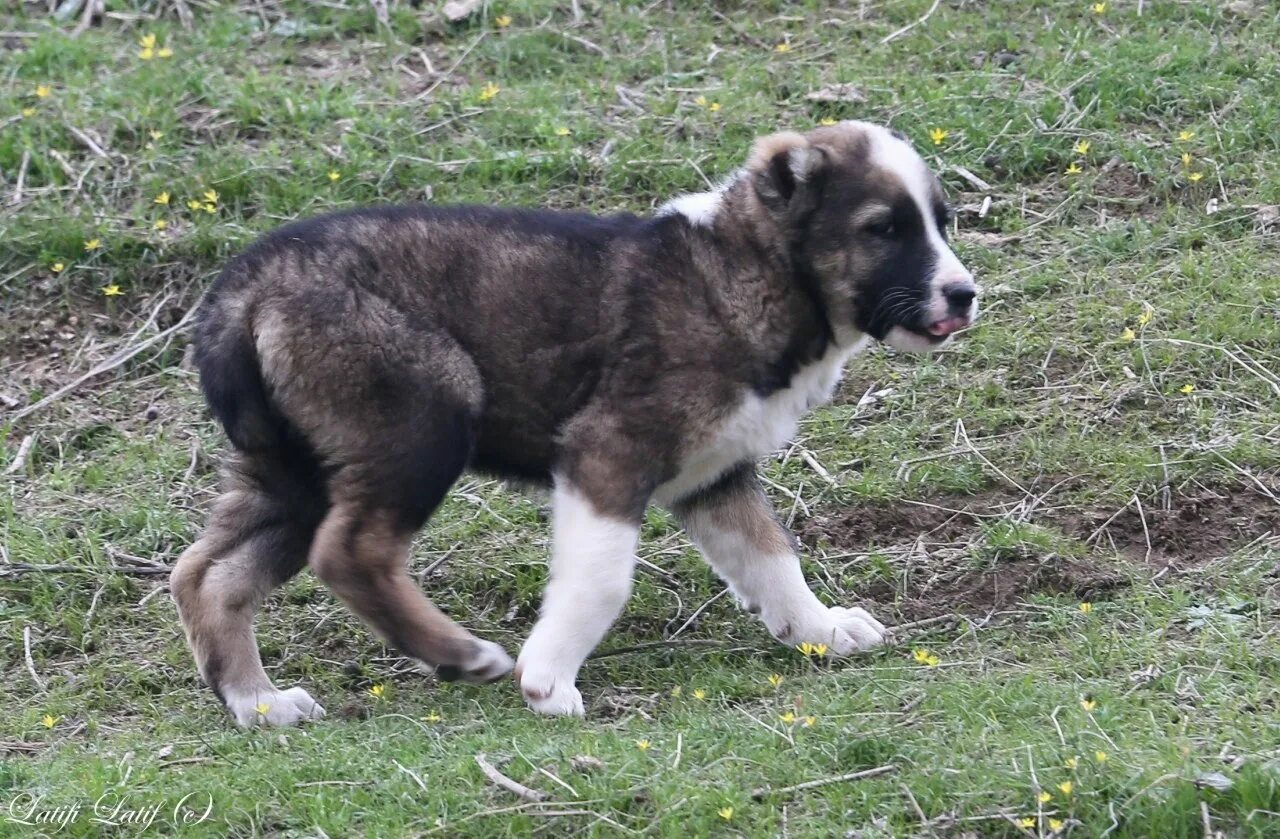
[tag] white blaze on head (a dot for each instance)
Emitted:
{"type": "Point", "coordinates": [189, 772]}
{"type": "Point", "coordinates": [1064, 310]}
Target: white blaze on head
{"type": "Point", "coordinates": [891, 154]}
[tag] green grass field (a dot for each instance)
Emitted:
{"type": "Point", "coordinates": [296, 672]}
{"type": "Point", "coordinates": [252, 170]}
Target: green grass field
{"type": "Point", "coordinates": [1072, 512]}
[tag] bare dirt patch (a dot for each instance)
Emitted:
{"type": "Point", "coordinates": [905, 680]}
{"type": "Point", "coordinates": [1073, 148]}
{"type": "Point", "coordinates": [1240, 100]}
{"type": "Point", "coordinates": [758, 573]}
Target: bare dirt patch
{"type": "Point", "coordinates": [1197, 528]}
{"type": "Point", "coordinates": [940, 544]}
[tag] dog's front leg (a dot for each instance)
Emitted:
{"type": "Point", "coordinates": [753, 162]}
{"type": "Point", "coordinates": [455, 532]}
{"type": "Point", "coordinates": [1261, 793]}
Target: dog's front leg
{"type": "Point", "coordinates": [733, 524]}
{"type": "Point", "coordinates": [593, 556]}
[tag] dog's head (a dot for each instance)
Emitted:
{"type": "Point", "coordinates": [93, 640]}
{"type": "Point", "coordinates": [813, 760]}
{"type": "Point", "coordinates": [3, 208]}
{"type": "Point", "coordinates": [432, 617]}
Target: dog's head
{"type": "Point", "coordinates": [867, 221]}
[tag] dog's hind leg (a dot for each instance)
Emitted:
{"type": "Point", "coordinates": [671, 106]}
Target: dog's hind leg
{"type": "Point", "coordinates": [362, 548]}
{"type": "Point", "coordinates": [258, 536]}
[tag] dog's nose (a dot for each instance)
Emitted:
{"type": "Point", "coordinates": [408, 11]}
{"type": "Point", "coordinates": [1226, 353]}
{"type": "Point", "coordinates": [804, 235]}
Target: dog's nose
{"type": "Point", "coordinates": [959, 296]}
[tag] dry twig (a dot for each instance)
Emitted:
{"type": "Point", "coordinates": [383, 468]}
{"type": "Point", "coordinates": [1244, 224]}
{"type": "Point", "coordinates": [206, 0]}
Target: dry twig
{"type": "Point", "coordinates": [31, 662]}
{"type": "Point", "coordinates": [506, 783]}
{"type": "Point", "coordinates": [892, 36]}
{"type": "Point", "coordinates": [822, 782]}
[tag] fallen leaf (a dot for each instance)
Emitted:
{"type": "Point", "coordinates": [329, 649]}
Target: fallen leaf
{"type": "Point", "coordinates": [456, 10]}
{"type": "Point", "coordinates": [1214, 780]}
{"type": "Point", "coordinates": [837, 93]}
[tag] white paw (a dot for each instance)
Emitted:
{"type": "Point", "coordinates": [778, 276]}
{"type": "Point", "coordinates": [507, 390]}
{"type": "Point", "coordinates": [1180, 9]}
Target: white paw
{"type": "Point", "coordinates": [547, 694]}
{"type": "Point", "coordinates": [843, 631]}
{"type": "Point", "coordinates": [273, 707]}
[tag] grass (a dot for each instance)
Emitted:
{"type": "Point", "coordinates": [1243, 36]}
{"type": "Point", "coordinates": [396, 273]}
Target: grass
{"type": "Point", "coordinates": [1045, 461]}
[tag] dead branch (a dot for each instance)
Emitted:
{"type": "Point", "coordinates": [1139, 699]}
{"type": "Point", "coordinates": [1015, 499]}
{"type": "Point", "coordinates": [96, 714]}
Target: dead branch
{"type": "Point", "coordinates": [506, 783]}
{"type": "Point", "coordinates": [822, 782]}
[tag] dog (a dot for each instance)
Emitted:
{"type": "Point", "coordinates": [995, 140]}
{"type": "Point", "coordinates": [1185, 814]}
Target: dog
{"type": "Point", "coordinates": [361, 361]}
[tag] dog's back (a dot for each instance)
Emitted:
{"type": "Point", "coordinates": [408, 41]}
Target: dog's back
{"type": "Point", "coordinates": [502, 297]}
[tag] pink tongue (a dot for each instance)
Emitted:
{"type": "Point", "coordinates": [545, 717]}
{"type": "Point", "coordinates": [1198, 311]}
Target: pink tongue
{"type": "Point", "coordinates": [947, 325]}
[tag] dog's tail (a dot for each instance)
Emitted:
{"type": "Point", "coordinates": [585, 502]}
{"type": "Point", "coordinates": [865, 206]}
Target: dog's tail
{"type": "Point", "coordinates": [230, 371]}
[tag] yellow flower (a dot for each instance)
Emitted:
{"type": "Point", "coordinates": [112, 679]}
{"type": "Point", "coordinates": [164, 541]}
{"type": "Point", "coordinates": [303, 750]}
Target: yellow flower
{"type": "Point", "coordinates": [1187, 388]}
{"type": "Point", "coordinates": [775, 679]}
{"type": "Point", "coordinates": [1066, 787]}
{"type": "Point", "coordinates": [43, 91]}
{"type": "Point", "coordinates": [1073, 169]}
{"type": "Point", "coordinates": [806, 649]}
{"type": "Point", "coordinates": [677, 690]}
{"type": "Point", "coordinates": [378, 691]}
{"type": "Point", "coordinates": [703, 102]}
{"type": "Point", "coordinates": [810, 721]}
{"type": "Point", "coordinates": [925, 657]}
{"type": "Point", "coordinates": [334, 176]}
{"type": "Point", "coordinates": [211, 195]}
{"type": "Point", "coordinates": [1147, 315]}
{"type": "Point", "coordinates": [262, 708]}
{"type": "Point", "coordinates": [164, 52]}
{"type": "Point", "coordinates": [1186, 158]}
{"type": "Point", "coordinates": [159, 224]}
{"type": "Point", "coordinates": [938, 135]}
{"type": "Point", "coordinates": [1098, 8]}
{"type": "Point", "coordinates": [155, 135]}
{"type": "Point", "coordinates": [92, 244]}
{"type": "Point", "coordinates": [489, 91]}
{"type": "Point", "coordinates": [1100, 756]}
{"type": "Point", "coordinates": [193, 204]}
{"type": "Point", "coordinates": [1082, 147]}
{"type": "Point", "coordinates": [827, 121]}
{"type": "Point", "coordinates": [1071, 762]}
{"type": "Point", "coordinates": [503, 20]}
{"type": "Point", "coordinates": [725, 813]}
{"type": "Point", "coordinates": [788, 717]}
{"type": "Point", "coordinates": [1044, 797]}
{"type": "Point", "coordinates": [1028, 823]}
{"type": "Point", "coordinates": [28, 112]}
{"type": "Point", "coordinates": [713, 107]}
{"type": "Point", "coordinates": [1056, 824]}
{"type": "Point", "coordinates": [700, 101]}
{"type": "Point", "coordinates": [643, 745]}
{"type": "Point", "coordinates": [146, 53]}
{"type": "Point", "coordinates": [162, 198]}
{"type": "Point", "coordinates": [819, 650]}
{"type": "Point", "coordinates": [147, 41]}
{"type": "Point", "coordinates": [699, 693]}
{"type": "Point", "coordinates": [1088, 704]}
{"type": "Point", "coordinates": [1195, 177]}
{"type": "Point", "coordinates": [1126, 336]}
{"type": "Point", "coordinates": [210, 208]}
{"type": "Point", "coordinates": [1186, 136]}
{"type": "Point", "coordinates": [1087, 607]}
{"type": "Point", "coordinates": [563, 132]}
{"type": "Point", "coordinates": [49, 720]}
{"type": "Point", "coordinates": [432, 716]}
{"type": "Point", "coordinates": [57, 267]}
{"type": "Point", "coordinates": [783, 47]}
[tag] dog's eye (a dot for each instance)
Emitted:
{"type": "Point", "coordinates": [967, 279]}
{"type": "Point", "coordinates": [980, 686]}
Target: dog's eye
{"type": "Point", "coordinates": [884, 229]}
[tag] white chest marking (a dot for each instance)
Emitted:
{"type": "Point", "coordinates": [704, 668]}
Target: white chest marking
{"type": "Point", "coordinates": [760, 425]}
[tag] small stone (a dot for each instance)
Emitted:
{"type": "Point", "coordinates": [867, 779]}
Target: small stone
{"type": "Point", "coordinates": [586, 763]}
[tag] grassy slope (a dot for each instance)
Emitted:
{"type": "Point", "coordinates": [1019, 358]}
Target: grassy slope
{"type": "Point", "coordinates": [1071, 420]}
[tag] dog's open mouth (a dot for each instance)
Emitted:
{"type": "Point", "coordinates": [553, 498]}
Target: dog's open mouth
{"type": "Point", "coordinates": [939, 330]}
{"type": "Point", "coordinates": [946, 326]}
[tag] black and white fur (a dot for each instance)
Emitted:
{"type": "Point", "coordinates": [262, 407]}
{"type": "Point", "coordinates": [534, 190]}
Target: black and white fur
{"type": "Point", "coordinates": [360, 362]}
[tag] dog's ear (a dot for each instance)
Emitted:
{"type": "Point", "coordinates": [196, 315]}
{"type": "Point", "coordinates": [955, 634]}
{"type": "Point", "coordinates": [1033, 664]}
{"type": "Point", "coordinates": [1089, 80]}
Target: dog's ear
{"type": "Point", "coordinates": [784, 168]}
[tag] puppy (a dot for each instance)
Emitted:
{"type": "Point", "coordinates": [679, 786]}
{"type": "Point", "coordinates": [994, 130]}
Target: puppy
{"type": "Point", "coordinates": [360, 361]}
